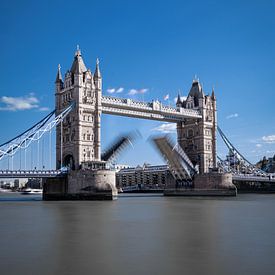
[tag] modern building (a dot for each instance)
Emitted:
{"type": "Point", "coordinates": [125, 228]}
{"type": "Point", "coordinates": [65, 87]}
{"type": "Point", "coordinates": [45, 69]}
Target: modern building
{"type": "Point", "coordinates": [146, 175]}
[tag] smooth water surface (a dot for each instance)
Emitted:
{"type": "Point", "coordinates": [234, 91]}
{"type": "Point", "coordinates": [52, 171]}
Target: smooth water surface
{"type": "Point", "coordinates": [138, 235]}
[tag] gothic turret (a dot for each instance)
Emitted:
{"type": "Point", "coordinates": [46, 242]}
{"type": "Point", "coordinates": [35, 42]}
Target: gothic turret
{"type": "Point", "coordinates": [196, 92]}
{"type": "Point", "coordinates": [78, 66]}
{"type": "Point", "coordinates": [97, 71]}
{"type": "Point", "coordinates": [97, 76]}
{"type": "Point", "coordinates": [58, 80]}
{"type": "Point", "coordinates": [179, 102]}
{"type": "Point", "coordinates": [213, 97]}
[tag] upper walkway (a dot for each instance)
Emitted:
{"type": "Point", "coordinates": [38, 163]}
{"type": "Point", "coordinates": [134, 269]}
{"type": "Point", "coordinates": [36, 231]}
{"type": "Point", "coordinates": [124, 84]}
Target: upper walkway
{"type": "Point", "coordinates": [153, 111]}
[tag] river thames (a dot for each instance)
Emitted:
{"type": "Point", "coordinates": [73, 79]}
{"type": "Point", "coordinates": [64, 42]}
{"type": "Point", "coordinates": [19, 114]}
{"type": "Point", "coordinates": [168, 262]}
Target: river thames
{"type": "Point", "coordinates": [138, 234]}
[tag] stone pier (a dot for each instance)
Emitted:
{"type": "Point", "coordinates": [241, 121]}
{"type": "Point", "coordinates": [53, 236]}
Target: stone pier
{"type": "Point", "coordinates": [83, 184]}
{"type": "Point", "coordinates": [207, 184]}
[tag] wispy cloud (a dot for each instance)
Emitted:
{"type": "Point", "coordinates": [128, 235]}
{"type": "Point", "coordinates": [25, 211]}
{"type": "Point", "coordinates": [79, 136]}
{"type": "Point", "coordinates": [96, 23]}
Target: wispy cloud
{"type": "Point", "coordinates": [115, 91]}
{"type": "Point", "coordinates": [135, 91]}
{"type": "Point", "coordinates": [44, 109]}
{"type": "Point", "coordinates": [8, 103]}
{"type": "Point", "coordinates": [119, 90]}
{"type": "Point", "coordinates": [232, 116]}
{"type": "Point", "coordinates": [258, 145]}
{"type": "Point", "coordinates": [166, 128]}
{"type": "Point", "coordinates": [269, 139]}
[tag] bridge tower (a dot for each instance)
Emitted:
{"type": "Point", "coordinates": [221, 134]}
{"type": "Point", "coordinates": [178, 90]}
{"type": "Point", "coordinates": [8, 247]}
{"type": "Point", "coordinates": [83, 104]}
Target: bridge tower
{"type": "Point", "coordinates": [81, 128]}
{"type": "Point", "coordinates": [197, 137]}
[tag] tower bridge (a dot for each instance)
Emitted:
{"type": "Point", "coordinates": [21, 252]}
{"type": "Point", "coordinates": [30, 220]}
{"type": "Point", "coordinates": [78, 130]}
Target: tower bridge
{"type": "Point", "coordinates": [79, 105]}
{"type": "Point", "coordinates": [195, 117]}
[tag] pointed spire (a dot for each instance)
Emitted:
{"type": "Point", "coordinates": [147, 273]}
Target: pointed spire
{"type": "Point", "coordinates": [213, 94]}
{"type": "Point", "coordinates": [97, 71]}
{"type": "Point", "coordinates": [59, 75]}
{"type": "Point", "coordinates": [78, 66]}
{"type": "Point", "coordinates": [179, 102]}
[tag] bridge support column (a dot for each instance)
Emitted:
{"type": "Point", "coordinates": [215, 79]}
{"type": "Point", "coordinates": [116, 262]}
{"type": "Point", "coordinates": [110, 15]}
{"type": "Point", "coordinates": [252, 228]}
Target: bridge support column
{"type": "Point", "coordinates": [207, 184]}
{"type": "Point", "coordinates": [81, 185]}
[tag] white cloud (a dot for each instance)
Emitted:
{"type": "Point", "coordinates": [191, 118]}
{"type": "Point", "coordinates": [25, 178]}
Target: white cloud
{"type": "Point", "coordinates": [166, 128]}
{"type": "Point", "coordinates": [119, 90]}
{"type": "Point", "coordinates": [44, 109]}
{"type": "Point", "coordinates": [259, 145]}
{"type": "Point", "coordinates": [269, 139]}
{"type": "Point", "coordinates": [232, 116]}
{"type": "Point", "coordinates": [9, 103]}
{"type": "Point", "coordinates": [115, 91]}
{"type": "Point", "coordinates": [111, 91]}
{"type": "Point", "coordinates": [18, 103]}
{"type": "Point", "coordinates": [182, 98]}
{"type": "Point", "coordinates": [135, 91]}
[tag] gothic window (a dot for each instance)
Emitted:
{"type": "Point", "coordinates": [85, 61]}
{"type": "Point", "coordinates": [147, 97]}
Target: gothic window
{"type": "Point", "coordinates": [88, 136]}
{"type": "Point", "coordinates": [84, 136]}
{"type": "Point", "coordinates": [84, 118]}
{"type": "Point", "coordinates": [190, 133]}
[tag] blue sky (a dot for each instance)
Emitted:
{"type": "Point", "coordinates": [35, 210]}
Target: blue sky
{"type": "Point", "coordinates": [154, 45]}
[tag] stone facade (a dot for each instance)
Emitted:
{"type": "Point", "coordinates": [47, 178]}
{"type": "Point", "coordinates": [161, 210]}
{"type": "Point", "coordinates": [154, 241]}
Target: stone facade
{"type": "Point", "coordinates": [197, 137]}
{"type": "Point", "coordinates": [81, 185]}
{"type": "Point", "coordinates": [214, 180]}
{"type": "Point", "coordinates": [81, 129]}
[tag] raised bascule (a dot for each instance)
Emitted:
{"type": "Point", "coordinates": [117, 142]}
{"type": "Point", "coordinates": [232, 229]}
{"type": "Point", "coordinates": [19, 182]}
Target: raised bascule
{"type": "Point", "coordinates": [78, 137]}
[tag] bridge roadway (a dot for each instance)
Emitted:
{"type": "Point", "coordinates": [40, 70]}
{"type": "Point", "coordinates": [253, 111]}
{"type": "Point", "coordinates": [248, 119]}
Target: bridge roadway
{"type": "Point", "coordinates": [31, 173]}
{"type": "Point", "coordinates": [61, 173]}
{"type": "Point", "coordinates": [153, 111]}
{"type": "Point", "coordinates": [247, 177]}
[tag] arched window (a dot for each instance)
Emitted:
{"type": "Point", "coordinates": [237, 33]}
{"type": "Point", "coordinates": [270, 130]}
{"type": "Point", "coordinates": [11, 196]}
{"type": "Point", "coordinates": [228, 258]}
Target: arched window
{"type": "Point", "coordinates": [190, 133]}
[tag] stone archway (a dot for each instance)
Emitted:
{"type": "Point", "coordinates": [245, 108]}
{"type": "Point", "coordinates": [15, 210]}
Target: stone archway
{"type": "Point", "coordinates": [69, 162]}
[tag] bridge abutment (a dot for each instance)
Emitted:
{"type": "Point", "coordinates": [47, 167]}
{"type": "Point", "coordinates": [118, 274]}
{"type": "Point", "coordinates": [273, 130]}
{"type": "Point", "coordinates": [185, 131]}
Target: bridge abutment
{"type": "Point", "coordinates": [81, 185]}
{"type": "Point", "coordinates": [206, 184]}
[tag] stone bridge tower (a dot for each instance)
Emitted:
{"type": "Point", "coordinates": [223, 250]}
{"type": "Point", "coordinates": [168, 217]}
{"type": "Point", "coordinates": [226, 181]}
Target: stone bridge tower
{"type": "Point", "coordinates": [197, 137]}
{"type": "Point", "coordinates": [81, 128]}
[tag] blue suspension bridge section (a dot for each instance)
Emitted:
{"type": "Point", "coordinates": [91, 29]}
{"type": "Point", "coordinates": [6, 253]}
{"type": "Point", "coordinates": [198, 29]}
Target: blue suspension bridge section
{"type": "Point", "coordinates": [25, 154]}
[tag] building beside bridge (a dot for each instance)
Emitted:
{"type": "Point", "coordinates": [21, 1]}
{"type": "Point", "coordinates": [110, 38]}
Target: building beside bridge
{"type": "Point", "coordinates": [147, 175]}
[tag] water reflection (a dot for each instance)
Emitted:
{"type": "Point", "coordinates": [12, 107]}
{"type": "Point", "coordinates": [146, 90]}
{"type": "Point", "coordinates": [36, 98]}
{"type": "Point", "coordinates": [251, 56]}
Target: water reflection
{"type": "Point", "coordinates": [139, 235]}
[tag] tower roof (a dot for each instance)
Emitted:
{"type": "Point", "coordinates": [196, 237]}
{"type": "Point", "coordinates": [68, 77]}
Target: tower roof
{"type": "Point", "coordinates": [97, 71]}
{"type": "Point", "coordinates": [78, 66]}
{"type": "Point", "coordinates": [58, 75]}
{"type": "Point", "coordinates": [178, 100]}
{"type": "Point", "coordinates": [196, 89]}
